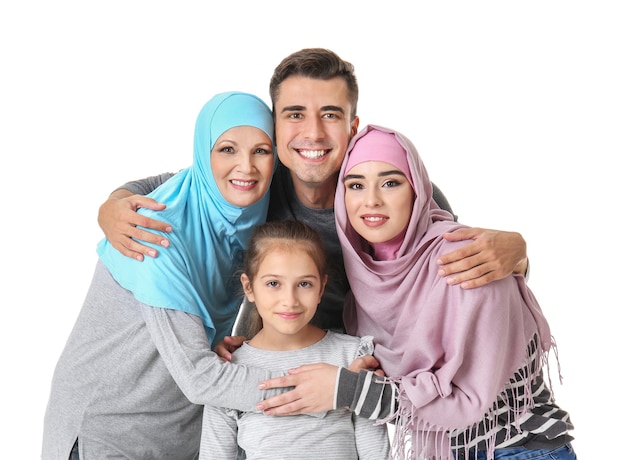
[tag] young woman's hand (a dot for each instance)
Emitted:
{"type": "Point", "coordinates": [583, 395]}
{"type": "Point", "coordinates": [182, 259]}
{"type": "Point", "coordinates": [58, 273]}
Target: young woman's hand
{"type": "Point", "coordinates": [314, 391]}
{"type": "Point", "coordinates": [492, 255]}
{"type": "Point", "coordinates": [366, 363]}
{"type": "Point", "coordinates": [119, 220]}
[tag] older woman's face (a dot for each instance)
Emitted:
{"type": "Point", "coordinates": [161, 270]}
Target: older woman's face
{"type": "Point", "coordinates": [242, 161]}
{"type": "Point", "coordinates": [379, 200]}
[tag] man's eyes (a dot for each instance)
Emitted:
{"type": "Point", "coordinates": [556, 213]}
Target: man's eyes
{"type": "Point", "coordinates": [330, 115]}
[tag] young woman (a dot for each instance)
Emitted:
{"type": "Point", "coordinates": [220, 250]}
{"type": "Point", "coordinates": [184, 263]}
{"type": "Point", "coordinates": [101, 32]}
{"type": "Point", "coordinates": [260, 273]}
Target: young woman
{"type": "Point", "coordinates": [139, 364]}
{"type": "Point", "coordinates": [467, 364]}
{"type": "Point", "coordinates": [285, 275]}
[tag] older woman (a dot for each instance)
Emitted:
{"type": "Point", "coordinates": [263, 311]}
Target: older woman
{"type": "Point", "coordinates": [138, 365]}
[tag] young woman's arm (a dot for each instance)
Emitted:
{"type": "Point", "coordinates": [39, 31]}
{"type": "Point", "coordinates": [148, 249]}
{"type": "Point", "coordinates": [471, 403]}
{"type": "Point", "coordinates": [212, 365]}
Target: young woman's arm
{"type": "Point", "coordinates": [329, 387]}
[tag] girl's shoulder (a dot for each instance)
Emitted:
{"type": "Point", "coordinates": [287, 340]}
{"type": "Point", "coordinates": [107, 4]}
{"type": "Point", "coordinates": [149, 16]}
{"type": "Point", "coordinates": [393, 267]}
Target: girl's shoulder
{"type": "Point", "coordinates": [362, 345]}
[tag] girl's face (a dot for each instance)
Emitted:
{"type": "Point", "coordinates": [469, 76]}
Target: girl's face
{"type": "Point", "coordinates": [287, 289]}
{"type": "Point", "coordinates": [379, 200]}
{"type": "Point", "coordinates": [242, 161]}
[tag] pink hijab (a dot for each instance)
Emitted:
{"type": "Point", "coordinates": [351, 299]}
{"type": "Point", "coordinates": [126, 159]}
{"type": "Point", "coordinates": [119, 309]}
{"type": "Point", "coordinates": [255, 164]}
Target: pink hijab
{"type": "Point", "coordinates": [451, 351]}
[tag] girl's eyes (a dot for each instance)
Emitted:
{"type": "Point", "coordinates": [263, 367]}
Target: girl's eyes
{"type": "Point", "coordinates": [304, 284]}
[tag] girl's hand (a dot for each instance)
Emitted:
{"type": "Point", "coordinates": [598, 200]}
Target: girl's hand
{"type": "Point", "coordinates": [228, 346]}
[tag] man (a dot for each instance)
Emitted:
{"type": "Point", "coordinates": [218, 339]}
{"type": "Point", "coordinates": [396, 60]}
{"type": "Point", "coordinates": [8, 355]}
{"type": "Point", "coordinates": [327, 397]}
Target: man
{"type": "Point", "coordinates": [314, 96]}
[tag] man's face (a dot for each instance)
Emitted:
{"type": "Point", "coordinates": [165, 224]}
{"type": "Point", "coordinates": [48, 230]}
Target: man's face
{"type": "Point", "coordinates": [313, 127]}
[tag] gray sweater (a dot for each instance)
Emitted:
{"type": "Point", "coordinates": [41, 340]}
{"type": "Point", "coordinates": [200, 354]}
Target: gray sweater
{"type": "Point", "coordinates": [132, 380]}
{"type": "Point", "coordinates": [337, 434]}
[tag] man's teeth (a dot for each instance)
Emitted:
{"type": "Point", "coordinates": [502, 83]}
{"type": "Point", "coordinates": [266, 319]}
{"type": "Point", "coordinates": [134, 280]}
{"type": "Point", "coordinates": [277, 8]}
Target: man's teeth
{"type": "Point", "coordinates": [312, 153]}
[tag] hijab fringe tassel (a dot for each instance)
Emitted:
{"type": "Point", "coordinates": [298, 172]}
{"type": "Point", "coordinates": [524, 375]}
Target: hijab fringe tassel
{"type": "Point", "coordinates": [417, 439]}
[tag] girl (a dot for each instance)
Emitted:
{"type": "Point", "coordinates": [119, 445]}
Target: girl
{"type": "Point", "coordinates": [285, 275]}
{"type": "Point", "coordinates": [467, 363]}
{"type": "Point", "coordinates": [138, 363]}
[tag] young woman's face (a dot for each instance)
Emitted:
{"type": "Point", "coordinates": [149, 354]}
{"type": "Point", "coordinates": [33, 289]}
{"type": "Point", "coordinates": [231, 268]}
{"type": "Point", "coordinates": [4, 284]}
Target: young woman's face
{"type": "Point", "coordinates": [379, 200]}
{"type": "Point", "coordinates": [242, 161]}
{"type": "Point", "coordinates": [286, 290]}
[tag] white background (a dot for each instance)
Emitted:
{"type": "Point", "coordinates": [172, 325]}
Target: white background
{"type": "Point", "coordinates": [518, 109]}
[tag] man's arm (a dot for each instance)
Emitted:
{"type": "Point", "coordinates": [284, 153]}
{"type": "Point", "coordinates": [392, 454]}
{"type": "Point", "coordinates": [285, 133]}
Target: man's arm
{"type": "Point", "coordinates": [118, 218]}
{"type": "Point", "coordinates": [146, 185]}
{"type": "Point", "coordinates": [492, 255]}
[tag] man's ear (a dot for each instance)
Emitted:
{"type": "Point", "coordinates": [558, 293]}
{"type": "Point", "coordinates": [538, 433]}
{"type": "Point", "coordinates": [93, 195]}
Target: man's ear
{"type": "Point", "coordinates": [247, 287]}
{"type": "Point", "coordinates": [354, 127]}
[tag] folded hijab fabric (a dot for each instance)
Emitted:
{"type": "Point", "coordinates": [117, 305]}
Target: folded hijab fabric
{"type": "Point", "coordinates": [450, 350]}
{"type": "Point", "coordinates": [196, 273]}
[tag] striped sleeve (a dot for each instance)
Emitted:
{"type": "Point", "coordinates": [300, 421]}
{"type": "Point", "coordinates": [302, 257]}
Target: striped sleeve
{"type": "Point", "coordinates": [366, 394]}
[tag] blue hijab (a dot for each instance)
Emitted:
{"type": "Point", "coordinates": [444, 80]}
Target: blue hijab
{"type": "Point", "coordinates": [197, 273]}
